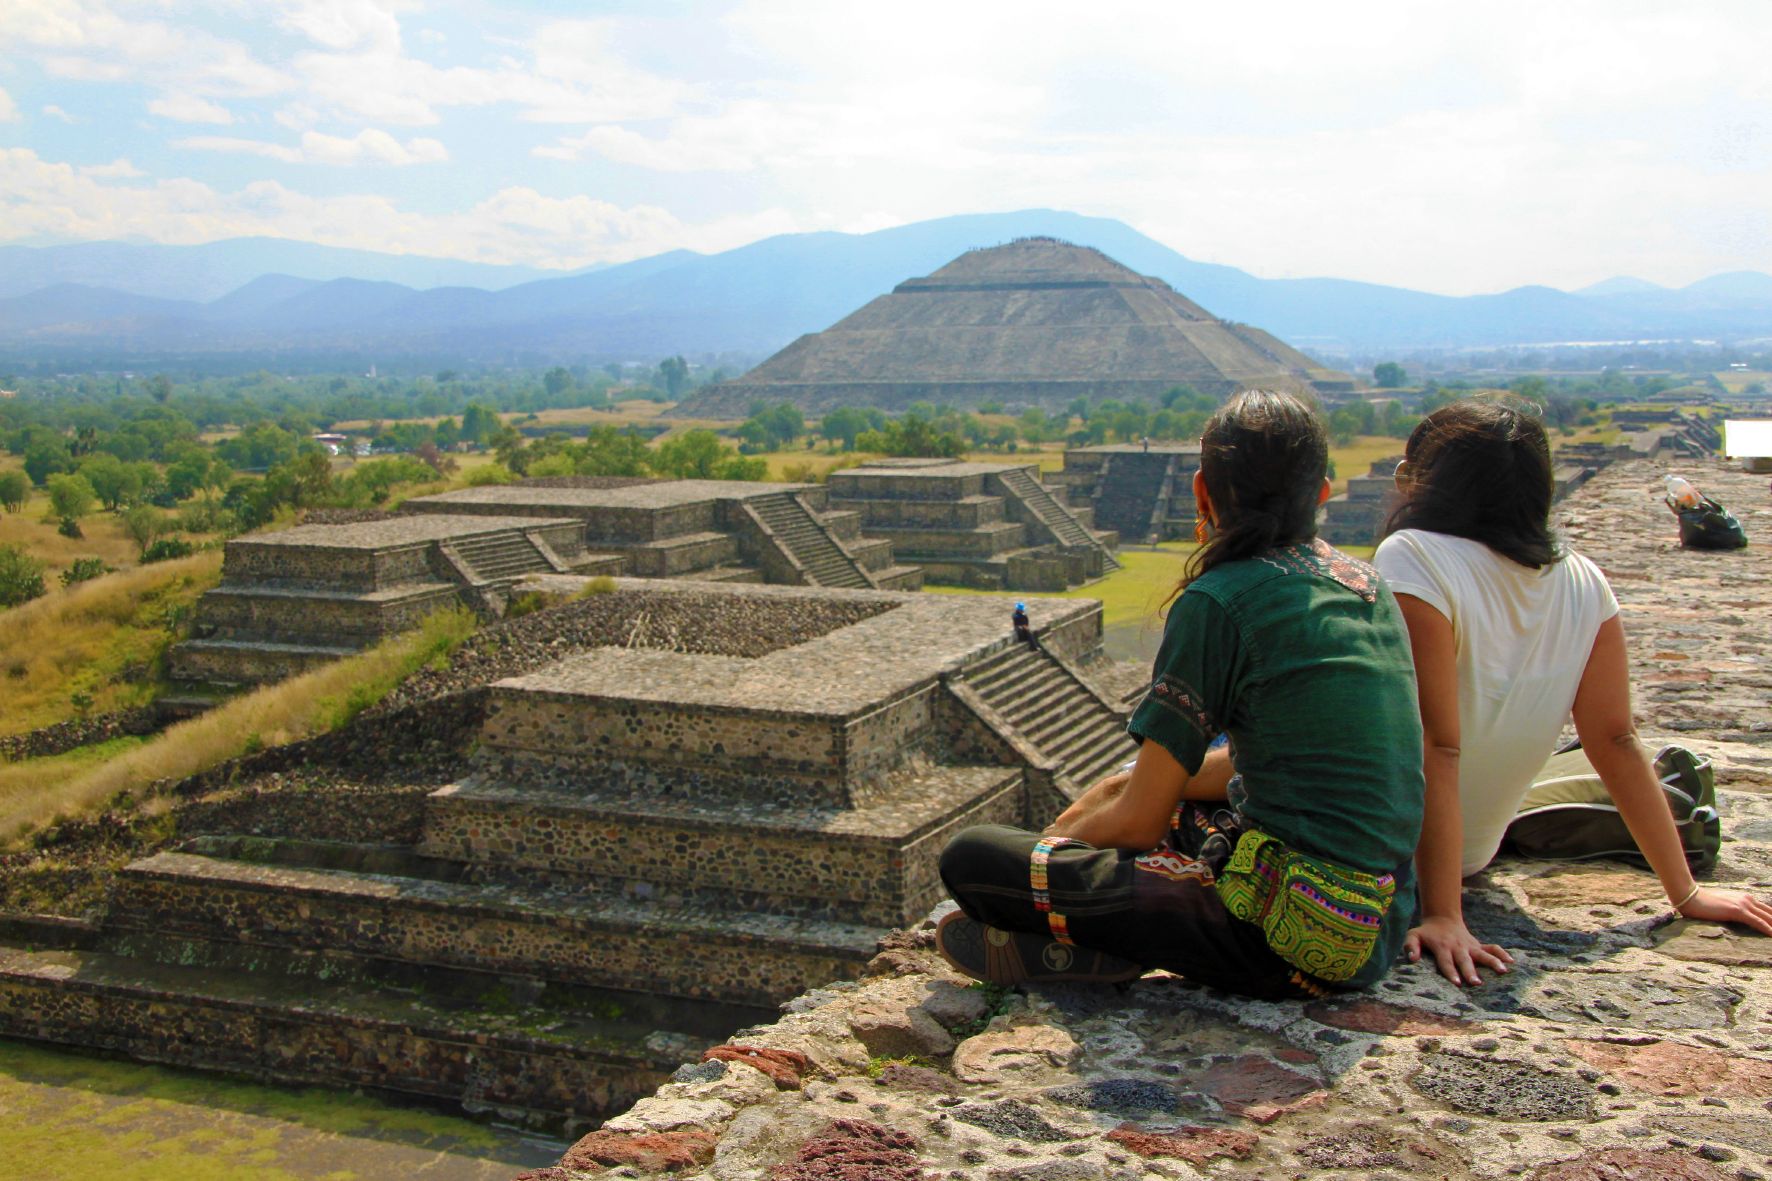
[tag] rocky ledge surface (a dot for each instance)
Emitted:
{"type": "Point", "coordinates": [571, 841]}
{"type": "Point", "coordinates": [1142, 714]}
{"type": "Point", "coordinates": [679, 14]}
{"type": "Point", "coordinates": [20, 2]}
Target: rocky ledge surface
{"type": "Point", "coordinates": [1624, 1046]}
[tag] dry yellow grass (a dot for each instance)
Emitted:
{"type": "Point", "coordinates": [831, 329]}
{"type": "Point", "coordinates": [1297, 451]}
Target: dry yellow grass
{"type": "Point", "coordinates": [104, 537]}
{"type": "Point", "coordinates": [35, 791]}
{"type": "Point", "coordinates": [99, 639]}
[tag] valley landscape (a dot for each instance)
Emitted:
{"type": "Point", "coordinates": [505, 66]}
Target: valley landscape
{"type": "Point", "coordinates": [510, 524]}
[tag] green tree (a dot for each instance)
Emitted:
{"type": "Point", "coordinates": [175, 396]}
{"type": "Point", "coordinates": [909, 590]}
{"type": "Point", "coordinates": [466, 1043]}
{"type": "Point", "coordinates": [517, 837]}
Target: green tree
{"type": "Point", "coordinates": [557, 381]}
{"type": "Point", "coordinates": [70, 497]}
{"type": "Point", "coordinates": [699, 455]}
{"type": "Point", "coordinates": [143, 524]}
{"type": "Point", "coordinates": [21, 576]}
{"type": "Point", "coordinates": [116, 483]}
{"type": "Point", "coordinates": [160, 388]}
{"type": "Point", "coordinates": [1388, 375]}
{"type": "Point", "coordinates": [15, 489]}
{"type": "Point", "coordinates": [44, 458]}
{"type": "Point", "coordinates": [844, 425]}
{"type": "Point", "coordinates": [673, 373]}
{"type": "Point", "coordinates": [478, 423]}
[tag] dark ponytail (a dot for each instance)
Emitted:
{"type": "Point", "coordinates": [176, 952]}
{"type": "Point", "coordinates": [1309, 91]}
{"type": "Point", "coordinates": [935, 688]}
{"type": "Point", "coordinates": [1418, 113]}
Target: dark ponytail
{"type": "Point", "coordinates": [1263, 457]}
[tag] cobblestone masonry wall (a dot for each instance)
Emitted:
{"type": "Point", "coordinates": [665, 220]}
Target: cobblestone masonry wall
{"type": "Point", "coordinates": [1623, 1046]}
{"type": "Point", "coordinates": [515, 1074]}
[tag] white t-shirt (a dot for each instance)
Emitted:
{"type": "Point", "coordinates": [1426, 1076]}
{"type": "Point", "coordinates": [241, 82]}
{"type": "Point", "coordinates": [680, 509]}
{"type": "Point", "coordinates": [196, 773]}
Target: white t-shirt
{"type": "Point", "coordinates": [1524, 637]}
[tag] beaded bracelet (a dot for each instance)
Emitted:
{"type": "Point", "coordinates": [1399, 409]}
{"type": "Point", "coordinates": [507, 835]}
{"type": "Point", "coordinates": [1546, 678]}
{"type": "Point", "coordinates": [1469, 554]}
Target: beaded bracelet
{"type": "Point", "coordinates": [1042, 853]}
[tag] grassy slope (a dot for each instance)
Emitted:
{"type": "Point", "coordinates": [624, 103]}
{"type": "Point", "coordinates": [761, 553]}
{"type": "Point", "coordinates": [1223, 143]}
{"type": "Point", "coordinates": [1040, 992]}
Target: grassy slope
{"type": "Point", "coordinates": [101, 638]}
{"type": "Point", "coordinates": [36, 790]}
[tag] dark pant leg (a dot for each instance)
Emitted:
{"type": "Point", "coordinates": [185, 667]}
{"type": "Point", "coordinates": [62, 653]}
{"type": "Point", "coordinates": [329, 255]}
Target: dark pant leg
{"type": "Point", "coordinates": [1159, 908]}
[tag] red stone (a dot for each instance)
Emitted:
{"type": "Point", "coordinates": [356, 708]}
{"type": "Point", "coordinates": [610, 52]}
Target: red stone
{"type": "Point", "coordinates": [1668, 1068]}
{"type": "Point", "coordinates": [1260, 1088]}
{"type": "Point", "coordinates": [788, 1068]}
{"type": "Point", "coordinates": [1630, 1164]}
{"type": "Point", "coordinates": [1381, 1017]}
{"type": "Point", "coordinates": [1295, 1055]}
{"type": "Point", "coordinates": [652, 1151]}
{"type": "Point", "coordinates": [1193, 1145]}
{"type": "Point", "coordinates": [854, 1150]}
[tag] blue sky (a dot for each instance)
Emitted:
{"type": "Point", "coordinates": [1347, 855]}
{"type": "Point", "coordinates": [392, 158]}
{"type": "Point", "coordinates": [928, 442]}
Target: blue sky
{"type": "Point", "coordinates": [1451, 148]}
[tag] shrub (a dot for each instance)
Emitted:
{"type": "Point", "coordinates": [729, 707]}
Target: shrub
{"type": "Point", "coordinates": [15, 489]}
{"type": "Point", "coordinates": [21, 576]}
{"type": "Point", "coordinates": [84, 570]}
{"type": "Point", "coordinates": [492, 473]}
{"type": "Point", "coordinates": [167, 548]}
{"type": "Point", "coordinates": [69, 527]}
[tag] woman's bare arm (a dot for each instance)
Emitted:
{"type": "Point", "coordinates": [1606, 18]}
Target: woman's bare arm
{"type": "Point", "coordinates": [1609, 739]}
{"type": "Point", "coordinates": [1439, 854]}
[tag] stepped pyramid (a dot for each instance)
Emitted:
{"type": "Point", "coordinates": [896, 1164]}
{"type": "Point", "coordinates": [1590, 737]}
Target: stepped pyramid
{"type": "Point", "coordinates": [1034, 322]}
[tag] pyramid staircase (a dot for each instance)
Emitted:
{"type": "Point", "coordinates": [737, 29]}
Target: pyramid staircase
{"type": "Point", "coordinates": [1054, 711]}
{"type": "Point", "coordinates": [502, 557]}
{"type": "Point", "coordinates": [820, 555]}
{"type": "Point", "coordinates": [1056, 517]}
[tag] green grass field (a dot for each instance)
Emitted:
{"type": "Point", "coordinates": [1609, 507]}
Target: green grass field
{"type": "Point", "coordinates": [70, 1115]}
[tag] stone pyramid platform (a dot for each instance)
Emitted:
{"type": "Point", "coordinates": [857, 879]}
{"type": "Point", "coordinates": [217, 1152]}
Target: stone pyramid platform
{"type": "Point", "coordinates": [655, 845]}
{"type": "Point", "coordinates": [990, 525]}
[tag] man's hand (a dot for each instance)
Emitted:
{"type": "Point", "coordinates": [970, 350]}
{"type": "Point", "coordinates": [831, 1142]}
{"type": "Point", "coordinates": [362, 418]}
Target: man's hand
{"type": "Point", "coordinates": [1455, 950]}
{"type": "Point", "coordinates": [1730, 906]}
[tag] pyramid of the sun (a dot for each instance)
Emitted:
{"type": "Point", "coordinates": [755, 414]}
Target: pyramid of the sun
{"type": "Point", "coordinates": [1035, 322]}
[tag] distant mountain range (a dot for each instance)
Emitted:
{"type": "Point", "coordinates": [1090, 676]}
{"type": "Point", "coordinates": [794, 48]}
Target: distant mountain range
{"type": "Point", "coordinates": [248, 297]}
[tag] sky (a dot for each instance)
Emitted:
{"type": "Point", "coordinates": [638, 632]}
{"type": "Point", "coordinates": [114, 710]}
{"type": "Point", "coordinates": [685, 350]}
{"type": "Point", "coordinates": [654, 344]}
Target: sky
{"type": "Point", "coordinates": [1449, 148]}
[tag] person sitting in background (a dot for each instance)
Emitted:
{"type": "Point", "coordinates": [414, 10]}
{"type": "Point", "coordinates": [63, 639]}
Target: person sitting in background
{"type": "Point", "coordinates": [1298, 653]}
{"type": "Point", "coordinates": [1511, 634]}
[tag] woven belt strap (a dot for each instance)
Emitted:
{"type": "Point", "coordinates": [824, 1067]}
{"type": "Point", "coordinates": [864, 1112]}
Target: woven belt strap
{"type": "Point", "coordinates": [1060, 927]}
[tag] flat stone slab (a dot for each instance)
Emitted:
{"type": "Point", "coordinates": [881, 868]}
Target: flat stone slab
{"type": "Point", "coordinates": [936, 469]}
{"type": "Point", "coordinates": [834, 675]}
{"type": "Point", "coordinates": [668, 494]}
{"type": "Point", "coordinates": [394, 532]}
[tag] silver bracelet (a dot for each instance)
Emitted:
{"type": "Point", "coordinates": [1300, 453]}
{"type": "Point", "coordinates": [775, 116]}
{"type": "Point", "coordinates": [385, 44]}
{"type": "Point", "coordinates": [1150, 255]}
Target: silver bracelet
{"type": "Point", "coordinates": [1695, 888]}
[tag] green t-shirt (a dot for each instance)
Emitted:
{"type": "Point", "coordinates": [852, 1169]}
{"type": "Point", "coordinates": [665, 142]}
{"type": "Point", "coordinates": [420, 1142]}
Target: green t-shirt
{"type": "Point", "coordinates": [1302, 657]}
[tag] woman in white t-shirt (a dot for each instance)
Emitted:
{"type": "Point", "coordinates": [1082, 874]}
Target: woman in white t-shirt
{"type": "Point", "coordinates": [1511, 635]}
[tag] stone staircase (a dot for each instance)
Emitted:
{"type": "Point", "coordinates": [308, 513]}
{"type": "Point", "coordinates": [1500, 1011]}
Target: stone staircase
{"type": "Point", "coordinates": [501, 557]}
{"type": "Point", "coordinates": [1060, 520]}
{"type": "Point", "coordinates": [1132, 494]}
{"type": "Point", "coordinates": [825, 562]}
{"type": "Point", "coordinates": [1053, 711]}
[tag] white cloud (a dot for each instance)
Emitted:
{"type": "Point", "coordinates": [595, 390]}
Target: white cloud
{"type": "Point", "coordinates": [41, 198]}
{"type": "Point", "coordinates": [369, 146]}
{"type": "Point", "coordinates": [55, 112]}
{"type": "Point", "coordinates": [118, 169]}
{"type": "Point", "coordinates": [8, 109]}
{"type": "Point", "coordinates": [343, 24]}
{"type": "Point", "coordinates": [188, 108]}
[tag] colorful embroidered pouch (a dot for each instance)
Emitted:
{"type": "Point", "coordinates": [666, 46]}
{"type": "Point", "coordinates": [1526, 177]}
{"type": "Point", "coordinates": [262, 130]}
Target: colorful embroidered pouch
{"type": "Point", "coordinates": [1318, 916]}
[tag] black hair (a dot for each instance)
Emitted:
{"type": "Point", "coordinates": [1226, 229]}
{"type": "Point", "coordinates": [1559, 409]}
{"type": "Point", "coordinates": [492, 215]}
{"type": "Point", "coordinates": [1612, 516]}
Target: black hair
{"type": "Point", "coordinates": [1263, 457]}
{"type": "Point", "coordinates": [1481, 469]}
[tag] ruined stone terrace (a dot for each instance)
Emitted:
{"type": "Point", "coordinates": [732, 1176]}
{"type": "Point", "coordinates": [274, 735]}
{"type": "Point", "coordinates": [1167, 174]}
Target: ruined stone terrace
{"type": "Point", "coordinates": [1625, 1045]}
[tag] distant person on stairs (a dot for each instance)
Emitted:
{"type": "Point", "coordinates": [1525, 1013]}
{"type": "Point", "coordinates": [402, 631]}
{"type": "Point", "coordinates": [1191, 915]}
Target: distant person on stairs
{"type": "Point", "coordinates": [1287, 879]}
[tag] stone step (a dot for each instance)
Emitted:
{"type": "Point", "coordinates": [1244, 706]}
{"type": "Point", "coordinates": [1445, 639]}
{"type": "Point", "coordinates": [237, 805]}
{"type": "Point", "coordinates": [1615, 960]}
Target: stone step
{"type": "Point", "coordinates": [725, 574]}
{"type": "Point", "coordinates": [900, 578]}
{"type": "Point", "coordinates": [527, 1064]}
{"type": "Point", "coordinates": [579, 936]}
{"type": "Point", "coordinates": [874, 865]}
{"type": "Point", "coordinates": [247, 662]}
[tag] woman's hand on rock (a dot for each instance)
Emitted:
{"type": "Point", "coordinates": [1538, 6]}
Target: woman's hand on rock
{"type": "Point", "coordinates": [1456, 951]}
{"type": "Point", "coordinates": [1730, 906]}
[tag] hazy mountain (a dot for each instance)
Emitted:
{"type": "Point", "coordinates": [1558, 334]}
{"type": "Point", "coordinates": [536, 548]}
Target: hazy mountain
{"type": "Point", "coordinates": [1619, 285]}
{"type": "Point", "coordinates": [757, 298]}
{"type": "Point", "coordinates": [213, 269]}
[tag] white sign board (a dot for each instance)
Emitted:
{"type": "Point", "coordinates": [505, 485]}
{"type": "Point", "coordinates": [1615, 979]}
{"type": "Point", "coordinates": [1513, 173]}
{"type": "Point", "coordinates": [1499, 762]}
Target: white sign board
{"type": "Point", "coordinates": [1747, 438]}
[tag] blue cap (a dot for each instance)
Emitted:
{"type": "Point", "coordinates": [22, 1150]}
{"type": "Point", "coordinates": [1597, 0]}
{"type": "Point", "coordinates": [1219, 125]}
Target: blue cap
{"type": "Point", "coordinates": [1021, 606]}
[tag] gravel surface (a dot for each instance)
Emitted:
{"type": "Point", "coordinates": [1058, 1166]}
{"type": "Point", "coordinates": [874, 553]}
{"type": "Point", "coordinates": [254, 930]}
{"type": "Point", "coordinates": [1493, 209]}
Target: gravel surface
{"type": "Point", "coordinates": [707, 624]}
